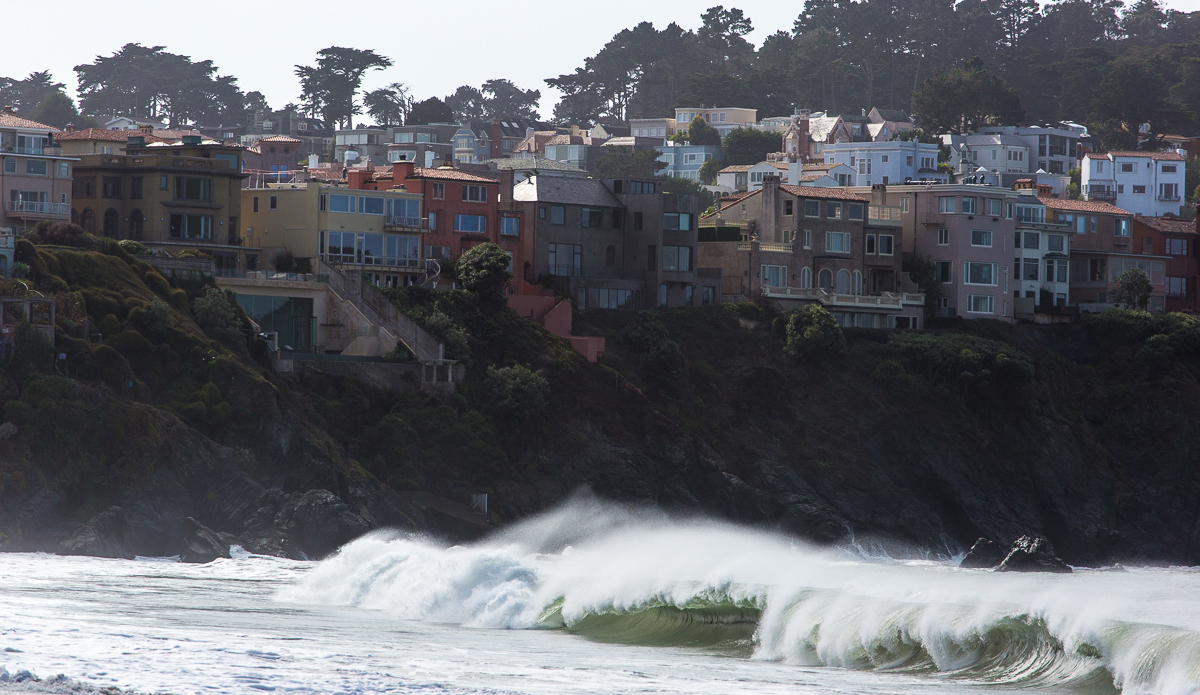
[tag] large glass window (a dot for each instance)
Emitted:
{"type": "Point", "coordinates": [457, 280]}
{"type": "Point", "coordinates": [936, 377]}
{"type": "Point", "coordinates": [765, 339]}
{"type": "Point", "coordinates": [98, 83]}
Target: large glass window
{"type": "Point", "coordinates": [980, 304]}
{"type": "Point", "coordinates": [856, 211]}
{"type": "Point", "coordinates": [402, 250]}
{"type": "Point", "coordinates": [981, 237]}
{"type": "Point", "coordinates": [558, 214]}
{"type": "Point", "coordinates": [837, 242]}
{"type": "Point", "coordinates": [591, 217]}
{"type": "Point", "coordinates": [474, 194]}
{"type": "Point", "coordinates": [980, 273]}
{"type": "Point", "coordinates": [677, 258]}
{"type": "Point", "coordinates": [341, 203]}
{"type": "Point", "coordinates": [510, 226]}
{"type": "Point", "coordinates": [404, 211]}
{"type": "Point", "coordinates": [968, 206]}
{"type": "Point", "coordinates": [886, 244]}
{"type": "Point", "coordinates": [677, 221]}
{"type": "Point", "coordinates": [812, 208]}
{"type": "Point", "coordinates": [1055, 242]}
{"type": "Point", "coordinates": [946, 204]}
{"type": "Point", "coordinates": [1032, 240]}
{"type": "Point", "coordinates": [774, 275]}
{"type": "Point", "coordinates": [470, 223]}
{"type": "Point", "coordinates": [565, 260]}
{"type": "Point", "coordinates": [190, 188]}
{"type": "Point", "coordinates": [184, 226]}
{"type": "Point", "coordinates": [1029, 269]}
{"type": "Point", "coordinates": [370, 205]}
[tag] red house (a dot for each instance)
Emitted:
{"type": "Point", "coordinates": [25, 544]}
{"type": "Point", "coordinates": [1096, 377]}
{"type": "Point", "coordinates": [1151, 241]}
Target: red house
{"type": "Point", "coordinates": [461, 209]}
{"type": "Point", "coordinates": [1179, 240]}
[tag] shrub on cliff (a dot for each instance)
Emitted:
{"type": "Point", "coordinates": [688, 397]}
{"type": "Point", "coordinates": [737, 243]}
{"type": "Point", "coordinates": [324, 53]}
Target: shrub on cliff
{"type": "Point", "coordinates": [61, 234]}
{"type": "Point", "coordinates": [514, 395]}
{"type": "Point", "coordinates": [965, 363]}
{"type": "Point", "coordinates": [483, 270]}
{"type": "Point", "coordinates": [813, 335]}
{"type": "Point", "coordinates": [217, 316]}
{"type": "Point", "coordinates": [659, 356]}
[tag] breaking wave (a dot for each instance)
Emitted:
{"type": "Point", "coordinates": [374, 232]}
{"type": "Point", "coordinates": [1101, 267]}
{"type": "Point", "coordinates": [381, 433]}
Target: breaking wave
{"type": "Point", "coordinates": [636, 577]}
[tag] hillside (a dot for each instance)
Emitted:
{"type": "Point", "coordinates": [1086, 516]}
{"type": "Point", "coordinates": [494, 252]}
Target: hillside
{"type": "Point", "coordinates": [917, 442]}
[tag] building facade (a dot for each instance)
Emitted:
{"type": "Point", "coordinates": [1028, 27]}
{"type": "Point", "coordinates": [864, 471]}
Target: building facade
{"type": "Point", "coordinates": [723, 119]}
{"type": "Point", "coordinates": [35, 178]}
{"type": "Point", "coordinates": [890, 162]}
{"type": "Point", "coordinates": [684, 161]}
{"type": "Point", "coordinates": [1052, 149]}
{"type": "Point", "coordinates": [1144, 183]}
{"type": "Point", "coordinates": [1175, 241]}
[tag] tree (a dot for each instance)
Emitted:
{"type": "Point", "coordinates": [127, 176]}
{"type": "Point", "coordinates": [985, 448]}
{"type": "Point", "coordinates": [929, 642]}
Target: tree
{"type": "Point", "coordinates": [964, 98]}
{"type": "Point", "coordinates": [57, 110]}
{"type": "Point", "coordinates": [623, 162]}
{"type": "Point", "coordinates": [389, 105]}
{"type": "Point", "coordinates": [1131, 93]}
{"type": "Point", "coordinates": [708, 170]}
{"type": "Point", "coordinates": [496, 99]}
{"type": "Point", "coordinates": [813, 334]}
{"type": "Point", "coordinates": [514, 395]}
{"type": "Point", "coordinates": [750, 146]}
{"type": "Point", "coordinates": [432, 110]}
{"type": "Point", "coordinates": [699, 132]}
{"type": "Point", "coordinates": [26, 95]}
{"type": "Point", "coordinates": [922, 271]}
{"type": "Point", "coordinates": [483, 270]}
{"type": "Point", "coordinates": [252, 103]}
{"type": "Point", "coordinates": [680, 186]}
{"type": "Point", "coordinates": [216, 314]}
{"type": "Point", "coordinates": [1134, 289]}
{"type": "Point", "coordinates": [328, 88]}
{"type": "Point", "coordinates": [466, 103]}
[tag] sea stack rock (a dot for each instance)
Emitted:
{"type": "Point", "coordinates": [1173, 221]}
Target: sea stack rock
{"type": "Point", "coordinates": [102, 536]}
{"type": "Point", "coordinates": [201, 544]}
{"type": "Point", "coordinates": [985, 554]}
{"type": "Point", "coordinates": [1033, 554]}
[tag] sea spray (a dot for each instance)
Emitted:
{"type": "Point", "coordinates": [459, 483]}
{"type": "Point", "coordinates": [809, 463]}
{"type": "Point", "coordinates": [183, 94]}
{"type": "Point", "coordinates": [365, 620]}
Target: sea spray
{"type": "Point", "coordinates": [636, 576]}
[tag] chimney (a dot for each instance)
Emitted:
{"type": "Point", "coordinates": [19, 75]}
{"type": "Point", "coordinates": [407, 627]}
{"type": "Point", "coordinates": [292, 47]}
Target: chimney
{"type": "Point", "coordinates": [358, 179]}
{"type": "Point", "coordinates": [402, 171]}
{"type": "Point", "coordinates": [497, 134]}
{"type": "Point", "coordinates": [770, 209]}
{"type": "Point", "coordinates": [879, 194]}
{"type": "Point", "coordinates": [146, 129]}
{"type": "Point", "coordinates": [8, 108]}
{"type": "Point", "coordinates": [70, 128]}
{"type": "Point", "coordinates": [506, 186]}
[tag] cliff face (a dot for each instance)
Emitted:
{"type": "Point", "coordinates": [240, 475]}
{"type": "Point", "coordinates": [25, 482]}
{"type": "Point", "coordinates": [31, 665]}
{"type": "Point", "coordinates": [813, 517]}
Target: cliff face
{"type": "Point", "coordinates": [916, 443]}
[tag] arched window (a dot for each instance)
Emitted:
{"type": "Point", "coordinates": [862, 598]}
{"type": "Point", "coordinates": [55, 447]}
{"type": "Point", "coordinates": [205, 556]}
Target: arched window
{"type": "Point", "coordinates": [806, 278]}
{"type": "Point", "coordinates": [137, 224]}
{"type": "Point", "coordinates": [610, 256]}
{"type": "Point", "coordinates": [857, 282]}
{"type": "Point", "coordinates": [111, 223]}
{"type": "Point", "coordinates": [88, 221]}
{"type": "Point", "coordinates": [843, 282]}
{"type": "Point", "coordinates": [825, 279]}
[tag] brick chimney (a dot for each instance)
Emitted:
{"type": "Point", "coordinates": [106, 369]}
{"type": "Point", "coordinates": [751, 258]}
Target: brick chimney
{"type": "Point", "coordinates": [769, 221]}
{"type": "Point", "coordinates": [70, 128]}
{"type": "Point", "coordinates": [506, 186]}
{"type": "Point", "coordinates": [401, 171]}
{"type": "Point", "coordinates": [497, 135]}
{"type": "Point", "coordinates": [358, 179]}
{"type": "Point", "coordinates": [8, 108]}
{"type": "Point", "coordinates": [146, 129]}
{"type": "Point", "coordinates": [879, 194]}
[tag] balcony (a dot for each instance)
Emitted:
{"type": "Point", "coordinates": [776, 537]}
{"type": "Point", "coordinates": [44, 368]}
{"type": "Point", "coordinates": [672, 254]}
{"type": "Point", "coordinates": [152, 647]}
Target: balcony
{"type": "Point", "coordinates": [399, 224]}
{"type": "Point", "coordinates": [33, 208]}
{"type": "Point", "coordinates": [379, 263]}
{"type": "Point", "coordinates": [765, 248]}
{"type": "Point", "coordinates": [884, 215]}
{"type": "Point", "coordinates": [1106, 195]}
{"type": "Point", "coordinates": [887, 300]}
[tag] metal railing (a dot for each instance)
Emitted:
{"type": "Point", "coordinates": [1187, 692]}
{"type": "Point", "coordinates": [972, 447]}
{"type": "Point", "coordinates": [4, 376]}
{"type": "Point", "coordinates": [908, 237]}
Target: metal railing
{"type": "Point", "coordinates": [381, 312]}
{"type": "Point", "coordinates": [769, 248]}
{"type": "Point", "coordinates": [1168, 198]}
{"type": "Point", "coordinates": [38, 208]}
{"type": "Point", "coordinates": [409, 222]}
{"type": "Point", "coordinates": [886, 299]}
{"type": "Point", "coordinates": [235, 274]}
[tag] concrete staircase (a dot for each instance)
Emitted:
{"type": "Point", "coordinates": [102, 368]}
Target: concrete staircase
{"type": "Point", "coordinates": [394, 325]}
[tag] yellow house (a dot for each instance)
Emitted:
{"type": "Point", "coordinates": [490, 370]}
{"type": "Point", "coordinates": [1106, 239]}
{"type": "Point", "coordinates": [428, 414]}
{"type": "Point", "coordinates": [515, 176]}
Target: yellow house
{"type": "Point", "coordinates": [373, 232]}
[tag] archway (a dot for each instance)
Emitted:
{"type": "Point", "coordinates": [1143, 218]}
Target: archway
{"type": "Point", "coordinates": [88, 221]}
{"type": "Point", "coordinates": [843, 282]}
{"type": "Point", "coordinates": [137, 225]}
{"type": "Point", "coordinates": [111, 227]}
{"type": "Point", "coordinates": [825, 279]}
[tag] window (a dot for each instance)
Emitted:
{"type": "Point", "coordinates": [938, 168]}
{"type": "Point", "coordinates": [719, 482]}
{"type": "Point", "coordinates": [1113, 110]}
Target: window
{"type": "Point", "coordinates": [1176, 247]}
{"type": "Point", "coordinates": [773, 275]}
{"type": "Point", "coordinates": [1122, 228]}
{"type": "Point", "coordinates": [437, 251]}
{"type": "Point", "coordinates": [189, 188]}
{"type": "Point", "coordinates": [662, 295]}
{"type": "Point", "coordinates": [510, 226]}
{"type": "Point", "coordinates": [368, 205]}
{"type": "Point", "coordinates": [968, 206]}
{"type": "Point", "coordinates": [608, 299]}
{"type": "Point", "coordinates": [943, 237]}
{"type": "Point", "coordinates": [637, 221]}
{"type": "Point", "coordinates": [474, 194]}
{"type": "Point", "coordinates": [883, 159]}
{"type": "Point", "coordinates": [272, 202]}
{"type": "Point", "coordinates": [833, 211]}
{"type": "Point", "coordinates": [885, 244]}
{"type": "Point", "coordinates": [787, 208]}
{"type": "Point", "coordinates": [1139, 190]}
{"type": "Point", "coordinates": [84, 187]}
{"type": "Point", "coordinates": [10, 165]}
{"type": "Point", "coordinates": [812, 208]}
{"type": "Point", "coordinates": [1147, 245]}
{"type": "Point", "coordinates": [433, 218]}
{"type": "Point", "coordinates": [870, 244]}
{"type": "Point", "coordinates": [470, 223]}
{"type": "Point", "coordinates": [64, 170]}
{"type": "Point", "coordinates": [439, 191]}
{"type": "Point", "coordinates": [806, 278]}
{"type": "Point", "coordinates": [1176, 286]}
{"type": "Point", "coordinates": [980, 304]}
{"type": "Point", "coordinates": [1056, 270]}
{"type": "Point", "coordinates": [565, 260]}
{"type": "Point", "coordinates": [946, 205]}
{"type": "Point", "coordinates": [404, 137]}
{"type": "Point", "coordinates": [1169, 168]}
{"type": "Point", "coordinates": [908, 161]}
{"type": "Point", "coordinates": [341, 203]}
{"type": "Point", "coordinates": [184, 226]}
{"type": "Point", "coordinates": [110, 187]}
{"type": "Point", "coordinates": [1008, 211]}
{"type": "Point", "coordinates": [855, 211]}
{"type": "Point", "coordinates": [677, 221]}
{"type": "Point", "coordinates": [1055, 242]}
{"type": "Point", "coordinates": [558, 214]}
{"type": "Point", "coordinates": [591, 217]}
{"type": "Point", "coordinates": [807, 238]}
{"type": "Point", "coordinates": [641, 187]}
{"type": "Point", "coordinates": [993, 207]}
{"type": "Point", "coordinates": [618, 219]}
{"type": "Point", "coordinates": [708, 295]}
{"type": "Point", "coordinates": [1126, 167]}
{"type": "Point", "coordinates": [1032, 240]}
{"type": "Point", "coordinates": [944, 270]}
{"type": "Point", "coordinates": [837, 242]}
{"type": "Point", "coordinates": [981, 237]}
{"type": "Point", "coordinates": [1168, 191]}
{"type": "Point", "coordinates": [1029, 269]}
{"type": "Point", "coordinates": [980, 273]}
{"type": "Point", "coordinates": [135, 187]}
{"type": "Point", "coordinates": [677, 258]}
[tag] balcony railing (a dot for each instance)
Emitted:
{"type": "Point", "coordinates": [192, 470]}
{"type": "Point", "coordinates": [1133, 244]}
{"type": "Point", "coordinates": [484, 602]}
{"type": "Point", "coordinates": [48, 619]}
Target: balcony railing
{"type": "Point", "coordinates": [34, 207]}
{"type": "Point", "coordinates": [768, 248]}
{"type": "Point", "coordinates": [373, 262]}
{"type": "Point", "coordinates": [1103, 194]}
{"type": "Point", "coordinates": [1168, 198]}
{"type": "Point", "coordinates": [406, 222]}
{"type": "Point", "coordinates": [26, 150]}
{"type": "Point", "coordinates": [885, 300]}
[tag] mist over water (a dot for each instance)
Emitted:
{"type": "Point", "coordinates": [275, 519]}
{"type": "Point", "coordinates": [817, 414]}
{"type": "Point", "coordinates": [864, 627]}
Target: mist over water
{"type": "Point", "coordinates": [596, 598]}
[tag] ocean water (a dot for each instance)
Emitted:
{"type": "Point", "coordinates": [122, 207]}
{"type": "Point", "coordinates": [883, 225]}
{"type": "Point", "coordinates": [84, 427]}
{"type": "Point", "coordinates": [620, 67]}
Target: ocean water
{"type": "Point", "coordinates": [592, 598]}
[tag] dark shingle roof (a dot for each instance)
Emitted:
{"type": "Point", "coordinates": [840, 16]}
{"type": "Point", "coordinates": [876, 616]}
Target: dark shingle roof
{"type": "Point", "coordinates": [566, 191]}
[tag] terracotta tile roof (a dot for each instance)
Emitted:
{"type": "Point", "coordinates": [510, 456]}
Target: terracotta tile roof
{"type": "Point", "coordinates": [815, 176]}
{"type": "Point", "coordinates": [104, 135]}
{"type": "Point", "coordinates": [779, 165]}
{"type": "Point", "coordinates": [818, 192]}
{"type": "Point", "coordinates": [735, 169]}
{"type": "Point", "coordinates": [1168, 225]}
{"type": "Point", "coordinates": [10, 120]}
{"type": "Point", "coordinates": [733, 199]}
{"type": "Point", "coordinates": [819, 166]}
{"type": "Point", "coordinates": [279, 138]}
{"type": "Point", "coordinates": [1082, 206]}
{"type": "Point", "coordinates": [449, 174]}
{"type": "Point", "coordinates": [1157, 156]}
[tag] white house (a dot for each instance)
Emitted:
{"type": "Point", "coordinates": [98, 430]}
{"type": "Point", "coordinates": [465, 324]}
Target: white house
{"type": "Point", "coordinates": [890, 162]}
{"type": "Point", "coordinates": [822, 175]}
{"type": "Point", "coordinates": [1052, 149]}
{"type": "Point", "coordinates": [127, 123]}
{"type": "Point", "coordinates": [1144, 183]}
{"type": "Point", "coordinates": [996, 153]}
{"type": "Point", "coordinates": [1042, 251]}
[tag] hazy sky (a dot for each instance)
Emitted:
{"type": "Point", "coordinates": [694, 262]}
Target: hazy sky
{"type": "Point", "coordinates": [435, 47]}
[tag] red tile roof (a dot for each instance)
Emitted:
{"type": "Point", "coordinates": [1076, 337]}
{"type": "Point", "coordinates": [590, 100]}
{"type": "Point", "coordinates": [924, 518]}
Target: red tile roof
{"type": "Point", "coordinates": [10, 120]}
{"type": "Point", "coordinates": [279, 138]}
{"type": "Point", "coordinates": [449, 174]}
{"type": "Point", "coordinates": [1083, 206]}
{"type": "Point", "coordinates": [818, 192]}
{"type": "Point", "coordinates": [1168, 225]}
{"type": "Point", "coordinates": [105, 135]}
{"type": "Point", "coordinates": [1157, 156]}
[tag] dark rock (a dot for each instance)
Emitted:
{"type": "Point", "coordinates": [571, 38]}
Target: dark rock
{"type": "Point", "coordinates": [985, 554]}
{"type": "Point", "coordinates": [102, 536]}
{"type": "Point", "coordinates": [1033, 554]}
{"type": "Point", "coordinates": [201, 544]}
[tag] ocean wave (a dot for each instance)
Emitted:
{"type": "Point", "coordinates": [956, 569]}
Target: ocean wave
{"type": "Point", "coordinates": [758, 595]}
